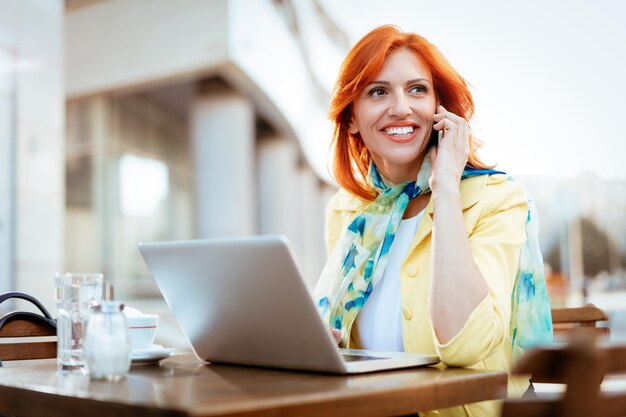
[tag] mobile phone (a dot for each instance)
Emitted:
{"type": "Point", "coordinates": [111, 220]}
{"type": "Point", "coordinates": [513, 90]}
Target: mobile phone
{"type": "Point", "coordinates": [434, 138]}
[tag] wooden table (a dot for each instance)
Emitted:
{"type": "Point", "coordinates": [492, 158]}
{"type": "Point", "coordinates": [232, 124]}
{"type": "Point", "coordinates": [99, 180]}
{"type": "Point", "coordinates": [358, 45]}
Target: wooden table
{"type": "Point", "coordinates": [183, 386]}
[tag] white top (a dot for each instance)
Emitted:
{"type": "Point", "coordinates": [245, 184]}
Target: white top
{"type": "Point", "coordinates": [380, 319]}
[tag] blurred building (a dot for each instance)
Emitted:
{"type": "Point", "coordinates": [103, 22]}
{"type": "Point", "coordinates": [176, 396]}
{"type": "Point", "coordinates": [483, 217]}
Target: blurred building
{"type": "Point", "coordinates": [582, 227]}
{"type": "Point", "coordinates": [166, 120]}
{"type": "Point", "coordinates": [32, 146]}
{"type": "Point", "coordinates": [193, 119]}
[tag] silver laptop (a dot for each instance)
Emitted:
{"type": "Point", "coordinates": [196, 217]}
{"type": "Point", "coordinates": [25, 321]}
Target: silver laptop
{"type": "Point", "coordinates": [242, 301]}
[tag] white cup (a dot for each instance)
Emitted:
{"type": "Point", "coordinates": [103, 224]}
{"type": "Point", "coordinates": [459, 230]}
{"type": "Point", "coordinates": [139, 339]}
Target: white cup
{"type": "Point", "coordinates": [142, 328]}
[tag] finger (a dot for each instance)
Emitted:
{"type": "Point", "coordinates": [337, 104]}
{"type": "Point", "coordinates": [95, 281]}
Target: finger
{"type": "Point", "coordinates": [463, 134]}
{"type": "Point", "coordinates": [446, 128]}
{"type": "Point", "coordinates": [445, 124]}
{"type": "Point", "coordinates": [439, 116]}
{"type": "Point", "coordinates": [336, 334]}
{"type": "Point", "coordinates": [465, 137]}
{"type": "Point", "coordinates": [452, 116]}
{"type": "Point", "coordinates": [440, 113]}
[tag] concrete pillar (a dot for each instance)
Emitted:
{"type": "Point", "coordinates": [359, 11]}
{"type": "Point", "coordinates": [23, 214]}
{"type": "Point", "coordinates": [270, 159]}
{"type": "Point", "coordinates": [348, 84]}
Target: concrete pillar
{"type": "Point", "coordinates": [292, 202]}
{"type": "Point", "coordinates": [40, 149]}
{"type": "Point", "coordinates": [327, 191]}
{"type": "Point", "coordinates": [223, 138]}
{"type": "Point", "coordinates": [7, 169]}
{"type": "Point", "coordinates": [105, 191]}
{"type": "Point", "coordinates": [83, 227]}
{"type": "Point", "coordinates": [278, 189]}
{"type": "Point", "coordinates": [310, 231]}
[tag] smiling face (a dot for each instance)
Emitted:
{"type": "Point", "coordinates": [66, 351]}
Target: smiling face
{"type": "Point", "coordinates": [394, 115]}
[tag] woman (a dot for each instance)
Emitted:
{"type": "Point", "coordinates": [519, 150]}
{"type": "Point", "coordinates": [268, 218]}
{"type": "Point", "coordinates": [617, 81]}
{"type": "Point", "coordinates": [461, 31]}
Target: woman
{"type": "Point", "coordinates": [424, 239]}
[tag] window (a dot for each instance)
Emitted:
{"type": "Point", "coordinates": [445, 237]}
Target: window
{"type": "Point", "coordinates": [129, 180]}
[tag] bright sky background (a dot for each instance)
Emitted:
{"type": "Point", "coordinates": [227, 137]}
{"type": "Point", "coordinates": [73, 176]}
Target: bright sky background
{"type": "Point", "coordinates": [548, 77]}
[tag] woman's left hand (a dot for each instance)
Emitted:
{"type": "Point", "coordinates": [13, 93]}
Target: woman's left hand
{"type": "Point", "coordinates": [449, 158]}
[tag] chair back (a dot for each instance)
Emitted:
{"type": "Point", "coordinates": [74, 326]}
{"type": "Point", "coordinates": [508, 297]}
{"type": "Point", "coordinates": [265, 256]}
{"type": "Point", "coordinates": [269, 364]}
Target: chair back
{"type": "Point", "coordinates": [26, 335]}
{"type": "Point", "coordinates": [581, 365]}
{"type": "Point", "coordinates": [566, 320]}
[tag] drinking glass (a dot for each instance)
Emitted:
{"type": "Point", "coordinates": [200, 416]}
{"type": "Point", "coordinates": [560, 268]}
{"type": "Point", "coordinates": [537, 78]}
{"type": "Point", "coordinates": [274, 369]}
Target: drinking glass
{"type": "Point", "coordinates": [75, 292]}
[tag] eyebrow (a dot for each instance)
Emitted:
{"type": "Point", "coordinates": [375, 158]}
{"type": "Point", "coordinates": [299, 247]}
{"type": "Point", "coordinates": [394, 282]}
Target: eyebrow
{"type": "Point", "coordinates": [407, 83]}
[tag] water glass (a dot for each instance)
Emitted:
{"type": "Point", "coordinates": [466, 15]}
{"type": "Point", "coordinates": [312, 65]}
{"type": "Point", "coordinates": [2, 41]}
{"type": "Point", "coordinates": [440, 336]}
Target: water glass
{"type": "Point", "coordinates": [75, 294]}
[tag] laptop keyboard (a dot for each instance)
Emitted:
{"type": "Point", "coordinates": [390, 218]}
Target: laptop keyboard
{"type": "Point", "coordinates": [355, 358]}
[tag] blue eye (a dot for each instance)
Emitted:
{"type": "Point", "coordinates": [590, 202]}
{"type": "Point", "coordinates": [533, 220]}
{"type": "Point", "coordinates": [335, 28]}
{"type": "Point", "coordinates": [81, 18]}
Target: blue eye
{"type": "Point", "coordinates": [376, 92]}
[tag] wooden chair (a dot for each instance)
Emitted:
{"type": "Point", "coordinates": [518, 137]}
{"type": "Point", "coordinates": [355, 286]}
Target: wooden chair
{"type": "Point", "coordinates": [566, 320]}
{"type": "Point", "coordinates": [581, 365]}
{"type": "Point", "coordinates": [29, 326]}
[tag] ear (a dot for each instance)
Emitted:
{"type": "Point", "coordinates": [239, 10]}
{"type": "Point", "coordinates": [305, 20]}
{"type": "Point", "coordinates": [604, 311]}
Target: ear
{"type": "Point", "coordinates": [352, 128]}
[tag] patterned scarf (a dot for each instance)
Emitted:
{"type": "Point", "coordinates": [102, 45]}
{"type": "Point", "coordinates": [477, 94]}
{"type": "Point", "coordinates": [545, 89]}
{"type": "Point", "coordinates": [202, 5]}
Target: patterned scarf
{"type": "Point", "coordinates": [358, 262]}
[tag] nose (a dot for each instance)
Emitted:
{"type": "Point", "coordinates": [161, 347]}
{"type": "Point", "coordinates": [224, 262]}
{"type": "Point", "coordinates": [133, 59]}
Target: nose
{"type": "Point", "coordinates": [399, 106]}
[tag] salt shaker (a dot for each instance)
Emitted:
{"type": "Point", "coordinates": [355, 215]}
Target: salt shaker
{"type": "Point", "coordinates": [107, 344]}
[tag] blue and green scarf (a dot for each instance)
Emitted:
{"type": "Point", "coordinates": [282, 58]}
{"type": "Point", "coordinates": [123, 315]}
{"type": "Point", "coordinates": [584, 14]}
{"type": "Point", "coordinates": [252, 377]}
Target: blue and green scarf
{"type": "Point", "coordinates": [358, 262]}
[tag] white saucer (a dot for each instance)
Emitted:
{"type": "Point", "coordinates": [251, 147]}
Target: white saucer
{"type": "Point", "coordinates": [151, 355]}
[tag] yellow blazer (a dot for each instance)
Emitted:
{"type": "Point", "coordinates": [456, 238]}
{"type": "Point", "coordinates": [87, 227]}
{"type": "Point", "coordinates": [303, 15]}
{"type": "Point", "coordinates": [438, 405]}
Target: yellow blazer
{"type": "Point", "coordinates": [494, 212]}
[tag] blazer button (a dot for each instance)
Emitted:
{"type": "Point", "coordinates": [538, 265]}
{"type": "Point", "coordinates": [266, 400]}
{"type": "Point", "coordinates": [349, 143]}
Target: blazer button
{"type": "Point", "coordinates": [411, 270]}
{"type": "Point", "coordinates": [407, 313]}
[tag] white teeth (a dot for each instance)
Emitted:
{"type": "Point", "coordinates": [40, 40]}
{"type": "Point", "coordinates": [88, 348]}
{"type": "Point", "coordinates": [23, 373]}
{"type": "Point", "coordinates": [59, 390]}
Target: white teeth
{"type": "Point", "coordinates": [404, 130]}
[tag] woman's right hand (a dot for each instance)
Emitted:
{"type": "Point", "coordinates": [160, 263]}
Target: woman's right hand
{"type": "Point", "coordinates": [336, 333]}
{"type": "Point", "coordinates": [450, 156]}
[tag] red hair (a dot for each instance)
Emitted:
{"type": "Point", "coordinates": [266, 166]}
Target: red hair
{"type": "Point", "coordinates": [361, 66]}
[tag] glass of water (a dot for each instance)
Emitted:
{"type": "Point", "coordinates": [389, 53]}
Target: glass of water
{"type": "Point", "coordinates": [75, 293]}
